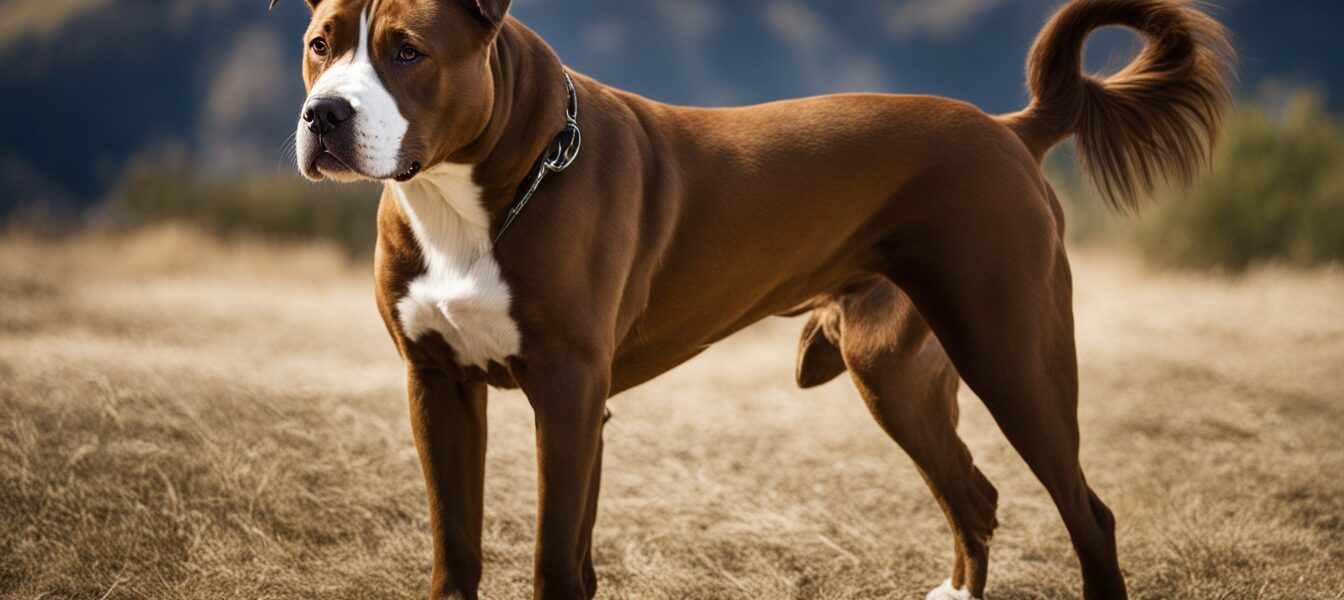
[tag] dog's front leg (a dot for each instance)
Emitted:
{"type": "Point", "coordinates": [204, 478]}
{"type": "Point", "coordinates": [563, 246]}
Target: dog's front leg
{"type": "Point", "coordinates": [448, 420]}
{"type": "Point", "coordinates": [569, 399]}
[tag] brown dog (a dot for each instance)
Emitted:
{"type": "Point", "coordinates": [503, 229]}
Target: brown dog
{"type": "Point", "coordinates": [887, 217]}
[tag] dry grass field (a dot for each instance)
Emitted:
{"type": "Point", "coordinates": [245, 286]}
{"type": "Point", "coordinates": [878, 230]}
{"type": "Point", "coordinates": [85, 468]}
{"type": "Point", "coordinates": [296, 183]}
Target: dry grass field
{"type": "Point", "coordinates": [185, 419]}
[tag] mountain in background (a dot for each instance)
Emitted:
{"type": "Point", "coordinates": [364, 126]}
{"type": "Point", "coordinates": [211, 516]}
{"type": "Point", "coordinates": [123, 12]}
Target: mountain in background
{"type": "Point", "coordinates": [90, 85]}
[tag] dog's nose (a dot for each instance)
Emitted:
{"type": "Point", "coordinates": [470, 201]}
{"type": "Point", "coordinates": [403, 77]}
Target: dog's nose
{"type": "Point", "coordinates": [325, 113]}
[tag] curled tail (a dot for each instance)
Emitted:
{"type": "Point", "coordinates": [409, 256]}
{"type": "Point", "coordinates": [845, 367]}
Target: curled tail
{"type": "Point", "coordinates": [1155, 121]}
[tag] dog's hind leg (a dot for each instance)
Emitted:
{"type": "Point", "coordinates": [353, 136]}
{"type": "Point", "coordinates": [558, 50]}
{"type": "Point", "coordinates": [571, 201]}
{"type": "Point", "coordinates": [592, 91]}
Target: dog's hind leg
{"type": "Point", "coordinates": [991, 278]}
{"type": "Point", "coordinates": [911, 389]}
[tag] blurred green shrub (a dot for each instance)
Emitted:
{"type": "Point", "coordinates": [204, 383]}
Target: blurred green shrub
{"type": "Point", "coordinates": [284, 207]}
{"type": "Point", "coordinates": [1275, 193]}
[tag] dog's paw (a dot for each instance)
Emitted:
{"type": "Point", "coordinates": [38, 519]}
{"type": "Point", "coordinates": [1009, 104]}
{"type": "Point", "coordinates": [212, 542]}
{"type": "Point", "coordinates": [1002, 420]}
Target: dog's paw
{"type": "Point", "coordinates": [947, 592]}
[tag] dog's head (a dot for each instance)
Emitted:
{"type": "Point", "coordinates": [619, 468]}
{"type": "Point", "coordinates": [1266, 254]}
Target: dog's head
{"type": "Point", "coordinates": [394, 86]}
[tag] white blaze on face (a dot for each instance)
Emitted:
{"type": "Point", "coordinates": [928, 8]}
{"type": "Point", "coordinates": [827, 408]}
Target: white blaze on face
{"type": "Point", "coordinates": [378, 125]}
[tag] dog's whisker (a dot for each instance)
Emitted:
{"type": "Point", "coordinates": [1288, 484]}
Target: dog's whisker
{"type": "Point", "coordinates": [289, 152]}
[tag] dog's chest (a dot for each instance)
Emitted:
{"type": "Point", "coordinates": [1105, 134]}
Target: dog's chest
{"type": "Point", "coordinates": [461, 295]}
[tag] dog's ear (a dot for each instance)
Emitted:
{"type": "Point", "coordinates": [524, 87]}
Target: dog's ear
{"type": "Point", "coordinates": [312, 4]}
{"type": "Point", "coordinates": [490, 11]}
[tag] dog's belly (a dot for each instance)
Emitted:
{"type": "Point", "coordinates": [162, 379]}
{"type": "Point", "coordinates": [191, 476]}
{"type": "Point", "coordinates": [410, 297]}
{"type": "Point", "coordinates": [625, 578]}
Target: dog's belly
{"type": "Point", "coordinates": [649, 350]}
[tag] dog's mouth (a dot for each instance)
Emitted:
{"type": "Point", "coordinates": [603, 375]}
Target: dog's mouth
{"type": "Point", "coordinates": [325, 161]}
{"type": "Point", "coordinates": [409, 173]}
{"type": "Point", "coordinates": [326, 164]}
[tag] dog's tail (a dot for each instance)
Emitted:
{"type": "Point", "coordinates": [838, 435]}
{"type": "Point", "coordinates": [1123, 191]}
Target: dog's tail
{"type": "Point", "coordinates": [1154, 122]}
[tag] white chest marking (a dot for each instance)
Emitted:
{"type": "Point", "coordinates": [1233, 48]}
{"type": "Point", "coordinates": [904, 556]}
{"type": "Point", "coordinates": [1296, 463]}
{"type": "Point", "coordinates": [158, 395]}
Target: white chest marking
{"type": "Point", "coordinates": [461, 296]}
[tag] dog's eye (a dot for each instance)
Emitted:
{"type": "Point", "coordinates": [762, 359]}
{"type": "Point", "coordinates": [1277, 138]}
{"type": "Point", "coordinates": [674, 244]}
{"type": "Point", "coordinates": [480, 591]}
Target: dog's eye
{"type": "Point", "coordinates": [319, 46]}
{"type": "Point", "coordinates": [408, 55]}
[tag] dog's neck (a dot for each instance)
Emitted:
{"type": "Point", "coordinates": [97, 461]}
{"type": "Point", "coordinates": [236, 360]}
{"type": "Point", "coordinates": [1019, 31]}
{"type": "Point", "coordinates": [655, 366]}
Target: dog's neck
{"type": "Point", "coordinates": [529, 109]}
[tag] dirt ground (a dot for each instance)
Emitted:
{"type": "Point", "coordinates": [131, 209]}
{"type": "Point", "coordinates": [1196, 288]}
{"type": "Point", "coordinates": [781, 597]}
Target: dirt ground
{"type": "Point", "coordinates": [185, 419]}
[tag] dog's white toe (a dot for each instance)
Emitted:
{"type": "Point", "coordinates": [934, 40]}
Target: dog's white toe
{"type": "Point", "coordinates": [947, 592]}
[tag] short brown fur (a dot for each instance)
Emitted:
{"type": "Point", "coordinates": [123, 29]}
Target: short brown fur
{"type": "Point", "coordinates": [919, 231]}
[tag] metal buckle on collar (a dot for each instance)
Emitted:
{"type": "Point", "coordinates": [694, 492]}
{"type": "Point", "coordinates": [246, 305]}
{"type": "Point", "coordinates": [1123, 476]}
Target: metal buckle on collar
{"type": "Point", "coordinates": [569, 141]}
{"type": "Point", "coordinates": [564, 149]}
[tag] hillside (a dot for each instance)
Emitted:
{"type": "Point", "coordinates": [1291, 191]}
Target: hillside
{"type": "Point", "coordinates": [91, 84]}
